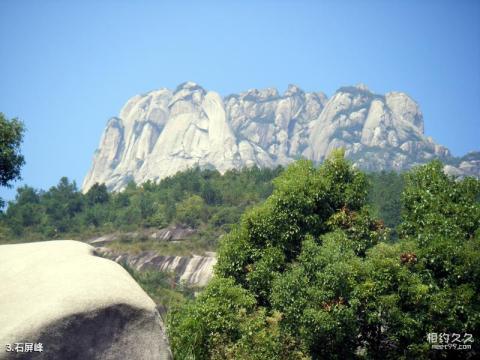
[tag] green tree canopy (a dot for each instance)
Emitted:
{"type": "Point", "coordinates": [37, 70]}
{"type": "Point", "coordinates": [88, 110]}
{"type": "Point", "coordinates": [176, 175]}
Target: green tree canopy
{"type": "Point", "coordinates": [315, 277]}
{"type": "Point", "coordinates": [262, 256]}
{"type": "Point", "coordinates": [97, 194]}
{"type": "Point", "coordinates": [11, 160]}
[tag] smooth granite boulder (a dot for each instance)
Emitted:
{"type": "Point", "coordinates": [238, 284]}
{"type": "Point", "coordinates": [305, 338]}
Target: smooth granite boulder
{"type": "Point", "coordinates": [76, 304]}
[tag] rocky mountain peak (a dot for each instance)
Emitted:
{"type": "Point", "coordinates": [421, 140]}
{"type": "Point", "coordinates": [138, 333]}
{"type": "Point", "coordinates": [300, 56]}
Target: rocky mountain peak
{"type": "Point", "coordinates": [362, 87]}
{"type": "Point", "coordinates": [188, 85]}
{"type": "Point", "coordinates": [293, 90]}
{"type": "Point", "coordinates": [162, 132]}
{"type": "Point", "coordinates": [259, 94]}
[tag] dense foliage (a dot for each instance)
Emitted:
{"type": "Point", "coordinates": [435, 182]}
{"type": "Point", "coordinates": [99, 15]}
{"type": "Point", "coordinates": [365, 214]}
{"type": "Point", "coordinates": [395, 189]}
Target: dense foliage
{"type": "Point", "coordinates": [203, 199]}
{"type": "Point", "coordinates": [309, 274]}
{"type": "Point", "coordinates": [385, 197]}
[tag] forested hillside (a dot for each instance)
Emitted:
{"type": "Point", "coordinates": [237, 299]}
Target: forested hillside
{"type": "Point", "coordinates": [201, 199]}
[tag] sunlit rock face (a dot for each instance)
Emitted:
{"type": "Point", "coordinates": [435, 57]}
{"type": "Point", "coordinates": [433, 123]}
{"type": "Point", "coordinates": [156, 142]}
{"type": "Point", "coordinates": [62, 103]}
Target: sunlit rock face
{"type": "Point", "coordinates": [194, 271]}
{"type": "Point", "coordinates": [377, 132]}
{"type": "Point", "coordinates": [162, 132]}
{"type": "Point", "coordinates": [78, 305]}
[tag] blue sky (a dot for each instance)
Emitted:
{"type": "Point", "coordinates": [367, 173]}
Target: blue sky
{"type": "Point", "coordinates": [67, 66]}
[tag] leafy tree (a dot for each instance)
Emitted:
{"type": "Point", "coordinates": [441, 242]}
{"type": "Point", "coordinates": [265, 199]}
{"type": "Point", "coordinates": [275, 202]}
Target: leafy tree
{"type": "Point", "coordinates": [26, 212]}
{"type": "Point", "coordinates": [437, 204]}
{"type": "Point", "coordinates": [62, 203]}
{"type": "Point", "coordinates": [312, 258]}
{"type": "Point", "coordinates": [11, 160]}
{"type": "Point", "coordinates": [223, 323]}
{"type": "Point", "coordinates": [269, 255]}
{"type": "Point", "coordinates": [304, 201]}
{"type": "Point", "coordinates": [95, 215]}
{"type": "Point", "coordinates": [218, 311]}
{"type": "Point", "coordinates": [385, 197]}
{"type": "Point", "coordinates": [429, 281]}
{"type": "Point", "coordinates": [191, 210]}
{"type": "Point", "coordinates": [97, 194]}
{"type": "Point", "coordinates": [315, 296]}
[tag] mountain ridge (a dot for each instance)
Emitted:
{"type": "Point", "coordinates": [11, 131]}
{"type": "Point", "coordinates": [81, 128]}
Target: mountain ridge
{"type": "Point", "coordinates": [165, 131]}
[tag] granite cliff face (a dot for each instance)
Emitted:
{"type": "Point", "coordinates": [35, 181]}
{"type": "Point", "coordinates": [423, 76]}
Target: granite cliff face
{"type": "Point", "coordinates": [162, 132]}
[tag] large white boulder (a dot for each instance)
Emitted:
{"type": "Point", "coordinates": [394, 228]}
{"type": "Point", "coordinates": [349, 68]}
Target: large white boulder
{"type": "Point", "coordinates": [78, 305]}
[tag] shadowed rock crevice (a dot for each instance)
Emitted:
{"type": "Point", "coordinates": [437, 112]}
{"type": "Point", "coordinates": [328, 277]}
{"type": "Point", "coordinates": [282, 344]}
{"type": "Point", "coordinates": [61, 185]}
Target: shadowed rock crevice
{"type": "Point", "coordinates": [116, 332]}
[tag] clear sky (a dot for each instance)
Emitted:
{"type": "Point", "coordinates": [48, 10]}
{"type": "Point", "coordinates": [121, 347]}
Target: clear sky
{"type": "Point", "coordinates": [67, 66]}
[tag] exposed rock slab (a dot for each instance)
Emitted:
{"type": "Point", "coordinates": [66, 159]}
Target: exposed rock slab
{"type": "Point", "coordinates": [174, 232]}
{"type": "Point", "coordinates": [79, 306]}
{"type": "Point", "coordinates": [193, 270]}
{"type": "Point", "coordinates": [170, 233]}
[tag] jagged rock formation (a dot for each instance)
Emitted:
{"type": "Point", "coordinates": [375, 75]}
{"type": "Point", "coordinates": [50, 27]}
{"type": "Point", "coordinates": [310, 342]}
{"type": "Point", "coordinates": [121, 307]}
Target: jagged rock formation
{"type": "Point", "coordinates": [164, 131]}
{"type": "Point", "coordinates": [77, 305]}
{"type": "Point", "coordinates": [468, 165]}
{"type": "Point", "coordinates": [194, 270]}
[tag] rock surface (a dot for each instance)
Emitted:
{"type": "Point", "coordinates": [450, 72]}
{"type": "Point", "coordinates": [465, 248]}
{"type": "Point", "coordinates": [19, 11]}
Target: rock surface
{"type": "Point", "coordinates": [193, 270]}
{"type": "Point", "coordinates": [170, 233]}
{"type": "Point", "coordinates": [79, 306]}
{"type": "Point", "coordinates": [468, 165]}
{"type": "Point", "coordinates": [162, 132]}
